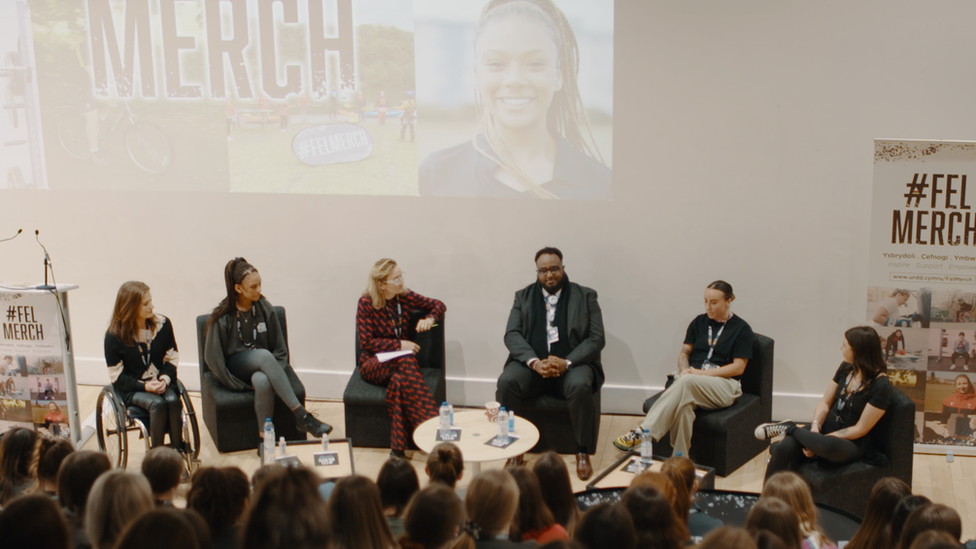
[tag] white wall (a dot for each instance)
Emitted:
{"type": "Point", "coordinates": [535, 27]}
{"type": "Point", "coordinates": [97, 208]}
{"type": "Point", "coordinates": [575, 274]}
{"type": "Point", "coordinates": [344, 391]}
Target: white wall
{"type": "Point", "coordinates": [742, 151]}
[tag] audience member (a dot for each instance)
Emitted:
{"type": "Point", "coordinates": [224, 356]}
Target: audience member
{"type": "Point", "coordinates": [264, 473]}
{"type": "Point", "coordinates": [898, 518]}
{"type": "Point", "coordinates": [654, 519]}
{"type": "Point", "coordinates": [682, 495]}
{"type": "Point", "coordinates": [728, 537]}
{"type": "Point", "coordinates": [75, 479]}
{"type": "Point", "coordinates": [162, 528]}
{"type": "Point", "coordinates": [562, 544]}
{"type": "Point", "coordinates": [491, 503]}
{"type": "Point", "coordinates": [876, 526]}
{"type": "Point", "coordinates": [934, 539]}
{"type": "Point", "coordinates": [445, 464]}
{"type": "Point", "coordinates": [220, 496]}
{"type": "Point", "coordinates": [792, 489]}
{"type": "Point", "coordinates": [698, 522]}
{"type": "Point", "coordinates": [775, 515]}
{"type": "Point", "coordinates": [286, 512]}
{"type": "Point", "coordinates": [116, 499]}
{"type": "Point", "coordinates": [534, 520]}
{"type": "Point", "coordinates": [50, 453]}
{"type": "Point", "coordinates": [933, 516]}
{"type": "Point", "coordinates": [606, 525]}
{"type": "Point", "coordinates": [356, 515]}
{"type": "Point", "coordinates": [557, 489]}
{"type": "Point", "coordinates": [432, 518]}
{"type": "Point", "coordinates": [397, 482]}
{"type": "Point", "coordinates": [767, 540]}
{"type": "Point", "coordinates": [16, 455]}
{"type": "Point", "coordinates": [163, 468]}
{"type": "Point", "coordinates": [33, 522]}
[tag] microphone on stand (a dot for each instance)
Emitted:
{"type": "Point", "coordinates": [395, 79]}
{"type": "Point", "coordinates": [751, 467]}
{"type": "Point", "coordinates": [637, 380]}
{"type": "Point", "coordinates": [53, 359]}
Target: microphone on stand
{"type": "Point", "coordinates": [14, 236]}
{"type": "Point", "coordinates": [47, 262]}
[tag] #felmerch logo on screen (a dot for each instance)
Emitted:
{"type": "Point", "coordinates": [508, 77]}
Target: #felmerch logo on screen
{"type": "Point", "coordinates": [935, 212]}
{"type": "Point", "coordinates": [21, 325]}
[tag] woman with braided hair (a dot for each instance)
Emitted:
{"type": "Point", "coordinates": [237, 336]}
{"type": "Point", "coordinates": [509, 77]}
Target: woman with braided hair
{"type": "Point", "coordinates": [533, 139]}
{"type": "Point", "coordinates": [245, 348]}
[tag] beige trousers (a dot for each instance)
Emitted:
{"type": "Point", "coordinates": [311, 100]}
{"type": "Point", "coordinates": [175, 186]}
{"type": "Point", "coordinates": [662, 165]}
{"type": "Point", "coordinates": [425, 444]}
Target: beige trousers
{"type": "Point", "coordinates": [675, 410]}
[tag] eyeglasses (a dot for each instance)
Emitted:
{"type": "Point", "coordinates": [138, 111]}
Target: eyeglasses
{"type": "Point", "coordinates": [396, 280]}
{"type": "Point", "coordinates": [554, 270]}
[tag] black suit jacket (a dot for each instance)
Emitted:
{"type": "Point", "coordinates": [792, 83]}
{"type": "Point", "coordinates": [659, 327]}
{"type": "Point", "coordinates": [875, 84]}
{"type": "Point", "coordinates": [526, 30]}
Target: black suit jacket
{"type": "Point", "coordinates": [584, 325]}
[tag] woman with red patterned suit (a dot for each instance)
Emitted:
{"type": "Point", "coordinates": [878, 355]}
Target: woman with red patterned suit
{"type": "Point", "coordinates": [381, 326]}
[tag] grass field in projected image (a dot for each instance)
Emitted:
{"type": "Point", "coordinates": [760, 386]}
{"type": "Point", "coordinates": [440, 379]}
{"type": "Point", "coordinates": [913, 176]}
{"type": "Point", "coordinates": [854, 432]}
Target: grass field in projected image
{"type": "Point", "coordinates": [261, 161]}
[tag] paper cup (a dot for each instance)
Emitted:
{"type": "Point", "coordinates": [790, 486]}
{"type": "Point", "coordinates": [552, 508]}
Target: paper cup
{"type": "Point", "coordinates": [491, 411]}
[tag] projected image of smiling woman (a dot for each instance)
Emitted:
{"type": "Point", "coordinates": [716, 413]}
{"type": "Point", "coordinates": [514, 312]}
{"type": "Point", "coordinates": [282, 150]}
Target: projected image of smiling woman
{"type": "Point", "coordinates": [533, 138]}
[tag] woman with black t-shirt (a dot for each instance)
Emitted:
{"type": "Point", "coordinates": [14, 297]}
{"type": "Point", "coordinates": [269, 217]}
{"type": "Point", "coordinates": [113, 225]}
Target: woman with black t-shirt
{"type": "Point", "coordinates": [853, 404]}
{"type": "Point", "coordinates": [141, 354]}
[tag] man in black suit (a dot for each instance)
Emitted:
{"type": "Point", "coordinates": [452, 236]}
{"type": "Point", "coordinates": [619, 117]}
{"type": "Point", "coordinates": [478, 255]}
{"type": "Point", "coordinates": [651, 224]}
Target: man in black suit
{"type": "Point", "coordinates": [554, 338]}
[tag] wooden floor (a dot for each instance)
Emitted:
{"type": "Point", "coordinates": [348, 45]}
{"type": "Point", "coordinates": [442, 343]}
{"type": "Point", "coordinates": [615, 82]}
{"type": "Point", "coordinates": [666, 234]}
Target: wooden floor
{"type": "Point", "coordinates": [953, 484]}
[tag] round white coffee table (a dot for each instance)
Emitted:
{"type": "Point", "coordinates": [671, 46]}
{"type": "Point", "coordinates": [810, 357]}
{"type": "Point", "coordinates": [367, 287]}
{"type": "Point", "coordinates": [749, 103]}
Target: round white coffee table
{"type": "Point", "coordinates": [476, 430]}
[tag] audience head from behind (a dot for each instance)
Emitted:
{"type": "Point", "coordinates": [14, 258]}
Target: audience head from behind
{"type": "Point", "coordinates": [16, 456]}
{"type": "Point", "coordinates": [33, 522]}
{"type": "Point", "coordinates": [286, 512]}
{"type": "Point", "coordinates": [767, 540]}
{"type": "Point", "coordinates": [935, 539]}
{"type": "Point", "coordinates": [933, 516]}
{"type": "Point", "coordinates": [397, 482]}
{"type": "Point", "coordinates": [674, 471]}
{"type": "Point", "coordinates": [445, 464]}
{"type": "Point", "coordinates": [356, 515]}
{"type": "Point", "coordinates": [220, 496]}
{"type": "Point", "coordinates": [490, 502]}
{"type": "Point", "coordinates": [533, 519]}
{"type": "Point", "coordinates": [562, 544]}
{"type": "Point", "coordinates": [264, 473]}
{"type": "Point", "coordinates": [728, 537]}
{"type": "Point", "coordinates": [432, 518]}
{"type": "Point", "coordinates": [116, 499]}
{"type": "Point", "coordinates": [778, 517]}
{"type": "Point", "coordinates": [50, 453]}
{"type": "Point", "coordinates": [792, 489]}
{"type": "Point", "coordinates": [904, 508]}
{"type": "Point", "coordinates": [162, 528]}
{"type": "Point", "coordinates": [75, 479]}
{"type": "Point", "coordinates": [557, 489]}
{"type": "Point", "coordinates": [656, 523]}
{"type": "Point", "coordinates": [163, 467]}
{"type": "Point", "coordinates": [876, 526]}
{"type": "Point", "coordinates": [606, 525]}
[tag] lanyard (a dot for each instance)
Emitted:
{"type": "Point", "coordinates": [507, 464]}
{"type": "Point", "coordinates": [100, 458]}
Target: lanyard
{"type": "Point", "coordinates": [713, 342]}
{"type": "Point", "coordinates": [146, 355]}
{"type": "Point", "coordinates": [399, 316]}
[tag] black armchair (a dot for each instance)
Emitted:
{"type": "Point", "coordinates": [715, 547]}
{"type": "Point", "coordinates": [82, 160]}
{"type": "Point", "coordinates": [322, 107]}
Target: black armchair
{"type": "Point", "coordinates": [723, 439]}
{"type": "Point", "coordinates": [229, 415]}
{"type": "Point", "coordinates": [367, 418]}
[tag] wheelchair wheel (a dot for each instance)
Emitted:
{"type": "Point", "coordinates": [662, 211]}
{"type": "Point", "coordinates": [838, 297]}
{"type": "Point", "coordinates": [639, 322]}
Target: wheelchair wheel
{"type": "Point", "coordinates": [191, 432]}
{"type": "Point", "coordinates": [110, 428]}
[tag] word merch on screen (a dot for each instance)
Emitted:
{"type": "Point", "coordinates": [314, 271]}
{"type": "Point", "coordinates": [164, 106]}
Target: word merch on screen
{"type": "Point", "coordinates": [936, 213]}
{"type": "Point", "coordinates": [222, 46]}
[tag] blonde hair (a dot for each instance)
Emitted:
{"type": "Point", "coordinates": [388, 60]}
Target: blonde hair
{"type": "Point", "coordinates": [792, 489]}
{"type": "Point", "coordinates": [125, 315]}
{"type": "Point", "coordinates": [116, 499]}
{"type": "Point", "coordinates": [491, 503]}
{"type": "Point", "coordinates": [566, 116]}
{"type": "Point", "coordinates": [381, 269]}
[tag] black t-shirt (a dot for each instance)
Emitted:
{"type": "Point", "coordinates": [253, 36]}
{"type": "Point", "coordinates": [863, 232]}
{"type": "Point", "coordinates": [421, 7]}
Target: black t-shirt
{"type": "Point", "coordinates": [877, 394]}
{"type": "Point", "coordinates": [735, 341]}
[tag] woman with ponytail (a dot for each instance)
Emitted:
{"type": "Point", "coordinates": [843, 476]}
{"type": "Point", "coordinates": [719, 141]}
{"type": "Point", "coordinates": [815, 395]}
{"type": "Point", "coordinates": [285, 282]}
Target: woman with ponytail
{"type": "Point", "coordinates": [246, 349]}
{"type": "Point", "coordinates": [491, 503]}
{"type": "Point", "coordinates": [533, 139]}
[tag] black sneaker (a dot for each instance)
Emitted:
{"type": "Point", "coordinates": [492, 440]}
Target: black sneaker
{"type": "Point", "coordinates": [773, 430]}
{"type": "Point", "coordinates": [311, 425]}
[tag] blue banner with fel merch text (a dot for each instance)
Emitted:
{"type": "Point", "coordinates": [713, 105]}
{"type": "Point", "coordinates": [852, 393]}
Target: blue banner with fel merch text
{"type": "Point", "coordinates": [921, 295]}
{"type": "Point", "coordinates": [33, 390]}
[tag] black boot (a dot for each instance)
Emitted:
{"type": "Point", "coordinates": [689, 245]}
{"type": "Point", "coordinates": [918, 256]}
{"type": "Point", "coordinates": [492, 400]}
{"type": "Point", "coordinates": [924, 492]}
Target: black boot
{"type": "Point", "coordinates": [310, 424]}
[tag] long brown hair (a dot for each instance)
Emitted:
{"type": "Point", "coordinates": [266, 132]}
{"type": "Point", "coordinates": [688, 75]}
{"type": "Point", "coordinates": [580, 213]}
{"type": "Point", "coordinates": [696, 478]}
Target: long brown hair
{"type": "Point", "coordinates": [532, 515]}
{"type": "Point", "coordinates": [566, 116]}
{"type": "Point", "coordinates": [868, 359]}
{"type": "Point", "coordinates": [682, 495]}
{"type": "Point", "coordinates": [654, 519]}
{"type": "Point", "coordinates": [777, 516]}
{"type": "Point", "coordinates": [933, 516]}
{"type": "Point", "coordinates": [356, 515]}
{"type": "Point", "coordinates": [874, 530]}
{"type": "Point", "coordinates": [792, 489]}
{"type": "Point", "coordinates": [557, 489]}
{"type": "Point", "coordinates": [432, 518]}
{"type": "Point", "coordinates": [125, 315]}
{"type": "Point", "coordinates": [491, 503]}
{"type": "Point", "coordinates": [16, 454]}
{"type": "Point", "coordinates": [234, 273]}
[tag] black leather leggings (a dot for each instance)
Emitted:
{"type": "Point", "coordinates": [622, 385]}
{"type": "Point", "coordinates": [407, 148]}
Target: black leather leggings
{"type": "Point", "coordinates": [164, 415]}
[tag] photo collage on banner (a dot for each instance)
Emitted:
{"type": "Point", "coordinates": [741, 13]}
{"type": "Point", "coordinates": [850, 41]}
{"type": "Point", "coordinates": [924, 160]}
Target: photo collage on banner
{"type": "Point", "coordinates": [472, 98]}
{"type": "Point", "coordinates": [33, 390]}
{"type": "Point", "coordinates": [921, 296]}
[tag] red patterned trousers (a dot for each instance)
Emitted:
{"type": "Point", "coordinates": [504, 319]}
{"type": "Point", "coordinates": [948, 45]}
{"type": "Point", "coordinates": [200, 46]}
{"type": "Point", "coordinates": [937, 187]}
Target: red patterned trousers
{"type": "Point", "coordinates": [407, 397]}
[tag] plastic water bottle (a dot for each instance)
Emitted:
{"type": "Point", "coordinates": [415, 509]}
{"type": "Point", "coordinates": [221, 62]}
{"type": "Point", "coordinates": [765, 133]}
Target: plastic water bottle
{"type": "Point", "coordinates": [511, 422]}
{"type": "Point", "coordinates": [502, 424]}
{"type": "Point", "coordinates": [451, 408]}
{"type": "Point", "coordinates": [445, 419]}
{"type": "Point", "coordinates": [325, 443]}
{"type": "Point", "coordinates": [282, 446]}
{"type": "Point", "coordinates": [269, 440]}
{"type": "Point", "coordinates": [647, 449]}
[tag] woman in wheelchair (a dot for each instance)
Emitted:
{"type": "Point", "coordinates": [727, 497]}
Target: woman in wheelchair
{"type": "Point", "coordinates": [245, 348]}
{"type": "Point", "coordinates": [855, 400]}
{"type": "Point", "coordinates": [141, 354]}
